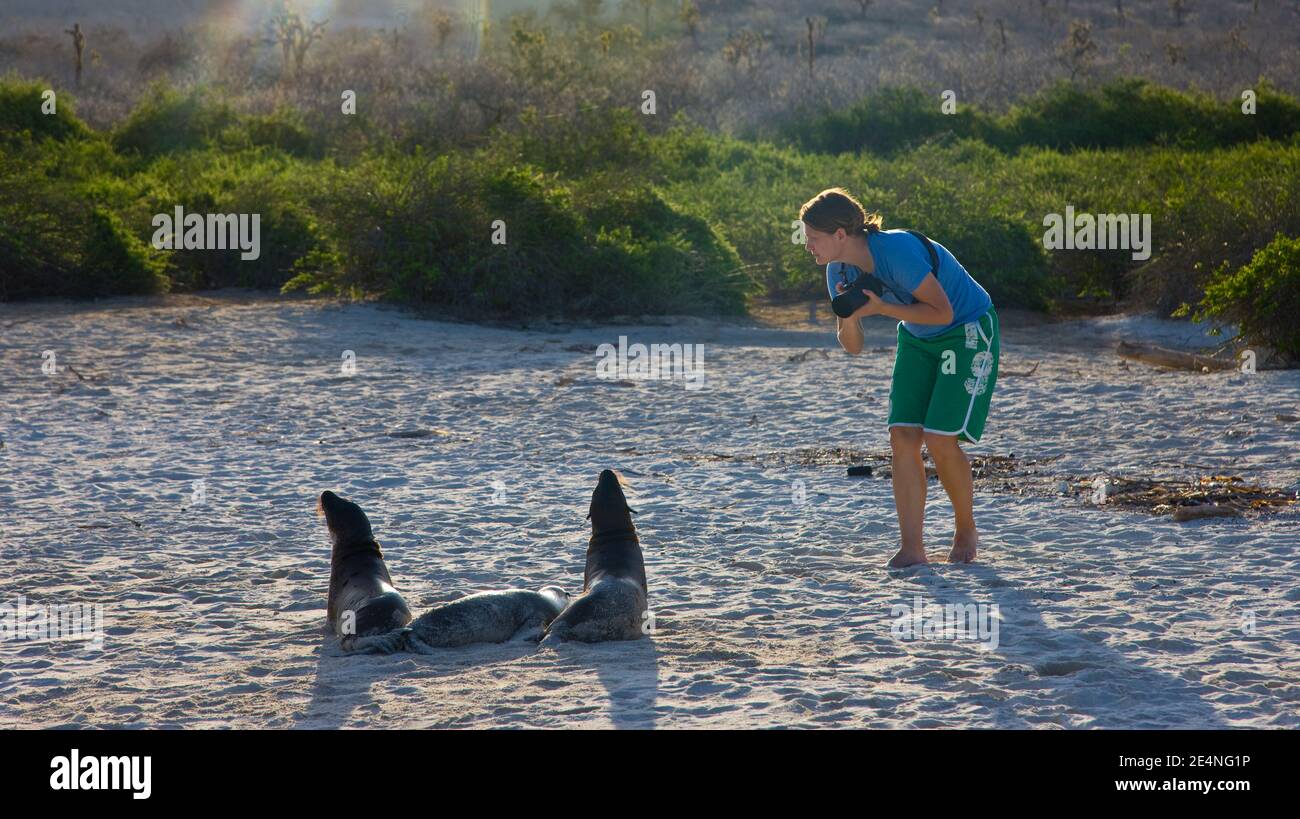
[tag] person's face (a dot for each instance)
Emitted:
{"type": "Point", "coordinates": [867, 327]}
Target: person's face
{"type": "Point", "coordinates": [825, 247]}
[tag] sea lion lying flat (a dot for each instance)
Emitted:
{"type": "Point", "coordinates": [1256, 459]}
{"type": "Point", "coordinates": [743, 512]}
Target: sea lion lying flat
{"type": "Point", "coordinates": [486, 617]}
{"type": "Point", "coordinates": [613, 603]}
{"type": "Point", "coordinates": [362, 600]}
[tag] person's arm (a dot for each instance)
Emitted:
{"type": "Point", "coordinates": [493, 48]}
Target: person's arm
{"type": "Point", "coordinates": [931, 306]}
{"type": "Point", "coordinates": [849, 333]}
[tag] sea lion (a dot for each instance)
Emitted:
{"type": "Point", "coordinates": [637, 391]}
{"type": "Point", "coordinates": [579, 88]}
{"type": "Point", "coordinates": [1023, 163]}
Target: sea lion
{"type": "Point", "coordinates": [612, 605]}
{"type": "Point", "coordinates": [362, 599]}
{"type": "Point", "coordinates": [486, 617]}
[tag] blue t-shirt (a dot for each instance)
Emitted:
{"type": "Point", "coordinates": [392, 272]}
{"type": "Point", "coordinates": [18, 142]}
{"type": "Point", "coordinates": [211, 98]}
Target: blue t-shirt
{"type": "Point", "coordinates": [902, 263]}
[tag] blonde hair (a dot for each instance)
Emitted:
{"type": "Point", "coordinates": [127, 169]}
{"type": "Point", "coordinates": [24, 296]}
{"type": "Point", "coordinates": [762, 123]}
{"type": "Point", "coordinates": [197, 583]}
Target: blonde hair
{"type": "Point", "coordinates": [836, 208]}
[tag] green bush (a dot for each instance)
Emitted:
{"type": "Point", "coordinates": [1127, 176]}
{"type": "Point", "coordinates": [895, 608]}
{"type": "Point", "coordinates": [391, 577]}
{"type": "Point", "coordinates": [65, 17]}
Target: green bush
{"type": "Point", "coordinates": [604, 219]}
{"type": "Point", "coordinates": [1262, 297]}
{"type": "Point", "coordinates": [884, 122]}
{"type": "Point", "coordinates": [61, 228]}
{"type": "Point", "coordinates": [419, 229]}
{"type": "Point", "coordinates": [1123, 113]}
{"type": "Point", "coordinates": [21, 112]}
{"type": "Point", "coordinates": [115, 261]}
{"type": "Point", "coordinates": [1120, 114]}
{"type": "Point", "coordinates": [284, 130]}
{"type": "Point", "coordinates": [262, 182]}
{"type": "Point", "coordinates": [167, 121]}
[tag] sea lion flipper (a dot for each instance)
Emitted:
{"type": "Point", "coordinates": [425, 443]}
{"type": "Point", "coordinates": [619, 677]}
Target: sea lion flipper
{"type": "Point", "coordinates": [529, 632]}
{"type": "Point", "coordinates": [390, 642]}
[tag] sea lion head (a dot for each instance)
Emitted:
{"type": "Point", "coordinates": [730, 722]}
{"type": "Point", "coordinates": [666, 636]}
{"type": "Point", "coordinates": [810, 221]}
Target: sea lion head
{"type": "Point", "coordinates": [557, 596]}
{"type": "Point", "coordinates": [346, 522]}
{"type": "Point", "coordinates": [609, 511]}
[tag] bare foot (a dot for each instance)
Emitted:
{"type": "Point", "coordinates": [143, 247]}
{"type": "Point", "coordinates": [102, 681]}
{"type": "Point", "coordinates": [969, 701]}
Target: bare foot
{"type": "Point", "coordinates": [907, 558]}
{"type": "Point", "coordinates": [963, 547]}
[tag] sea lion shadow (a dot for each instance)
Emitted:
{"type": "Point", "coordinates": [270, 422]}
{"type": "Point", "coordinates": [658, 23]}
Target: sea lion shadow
{"type": "Point", "coordinates": [1093, 677]}
{"type": "Point", "coordinates": [341, 684]}
{"type": "Point", "coordinates": [343, 680]}
{"type": "Point", "coordinates": [629, 672]}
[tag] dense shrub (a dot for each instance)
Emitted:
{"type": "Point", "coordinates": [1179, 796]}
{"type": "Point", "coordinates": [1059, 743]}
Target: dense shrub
{"type": "Point", "coordinates": [419, 229]}
{"type": "Point", "coordinates": [167, 122]}
{"type": "Point", "coordinates": [602, 218]}
{"type": "Point", "coordinates": [1121, 114]}
{"type": "Point", "coordinates": [884, 122]}
{"type": "Point", "coordinates": [1133, 112]}
{"type": "Point", "coordinates": [21, 113]}
{"type": "Point", "coordinates": [262, 182]}
{"type": "Point", "coordinates": [115, 261]}
{"type": "Point", "coordinates": [54, 241]}
{"type": "Point", "coordinates": [1262, 297]}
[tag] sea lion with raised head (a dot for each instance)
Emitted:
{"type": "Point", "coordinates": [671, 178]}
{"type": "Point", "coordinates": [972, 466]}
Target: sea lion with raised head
{"type": "Point", "coordinates": [612, 605]}
{"type": "Point", "coordinates": [362, 600]}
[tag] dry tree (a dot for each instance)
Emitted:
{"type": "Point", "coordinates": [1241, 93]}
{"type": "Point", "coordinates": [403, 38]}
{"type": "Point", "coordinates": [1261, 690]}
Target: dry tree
{"type": "Point", "coordinates": [1078, 48]}
{"type": "Point", "coordinates": [292, 35]}
{"type": "Point", "coordinates": [744, 44]}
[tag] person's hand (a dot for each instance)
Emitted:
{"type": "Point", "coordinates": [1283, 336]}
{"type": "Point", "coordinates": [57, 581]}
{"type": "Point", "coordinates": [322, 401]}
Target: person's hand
{"type": "Point", "coordinates": [871, 308]}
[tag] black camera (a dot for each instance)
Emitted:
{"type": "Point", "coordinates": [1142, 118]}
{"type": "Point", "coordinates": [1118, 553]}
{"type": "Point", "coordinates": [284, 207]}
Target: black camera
{"type": "Point", "coordinates": [848, 302]}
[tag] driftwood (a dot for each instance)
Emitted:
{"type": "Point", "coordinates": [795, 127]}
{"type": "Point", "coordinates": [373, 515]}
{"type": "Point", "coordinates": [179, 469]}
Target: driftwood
{"type": "Point", "coordinates": [810, 351]}
{"type": "Point", "coordinates": [1029, 371]}
{"type": "Point", "coordinates": [1176, 359]}
{"type": "Point", "coordinates": [1205, 510]}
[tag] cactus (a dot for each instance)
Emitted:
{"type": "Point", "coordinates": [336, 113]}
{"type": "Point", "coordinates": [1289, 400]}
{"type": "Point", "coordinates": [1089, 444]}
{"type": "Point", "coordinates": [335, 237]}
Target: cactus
{"type": "Point", "coordinates": [79, 43]}
{"type": "Point", "coordinates": [690, 17]}
{"type": "Point", "coordinates": [815, 27]}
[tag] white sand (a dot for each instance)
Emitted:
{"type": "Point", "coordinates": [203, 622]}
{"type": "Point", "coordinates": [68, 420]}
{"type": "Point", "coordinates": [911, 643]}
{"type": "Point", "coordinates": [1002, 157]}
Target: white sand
{"type": "Point", "coordinates": [767, 613]}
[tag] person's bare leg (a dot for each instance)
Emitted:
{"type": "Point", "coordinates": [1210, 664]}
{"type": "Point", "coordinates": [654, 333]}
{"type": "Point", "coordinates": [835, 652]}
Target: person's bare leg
{"type": "Point", "coordinates": [909, 494]}
{"type": "Point", "coordinates": [954, 473]}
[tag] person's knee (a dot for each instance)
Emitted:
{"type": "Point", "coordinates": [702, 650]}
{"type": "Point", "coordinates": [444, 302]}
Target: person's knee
{"type": "Point", "coordinates": [905, 439]}
{"type": "Point", "coordinates": [941, 445]}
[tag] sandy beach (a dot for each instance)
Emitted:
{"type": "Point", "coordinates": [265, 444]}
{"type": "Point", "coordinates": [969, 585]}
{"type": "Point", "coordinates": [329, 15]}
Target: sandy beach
{"type": "Point", "coordinates": [474, 450]}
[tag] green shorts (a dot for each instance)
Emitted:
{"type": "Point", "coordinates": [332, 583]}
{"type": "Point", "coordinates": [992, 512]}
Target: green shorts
{"type": "Point", "coordinates": [944, 383]}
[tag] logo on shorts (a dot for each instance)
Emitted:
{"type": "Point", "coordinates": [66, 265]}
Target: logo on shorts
{"type": "Point", "coordinates": [972, 335]}
{"type": "Point", "coordinates": [980, 366]}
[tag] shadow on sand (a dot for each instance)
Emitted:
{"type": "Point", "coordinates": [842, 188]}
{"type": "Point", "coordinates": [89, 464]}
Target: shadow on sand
{"type": "Point", "coordinates": [1070, 671]}
{"type": "Point", "coordinates": [629, 671]}
{"type": "Point", "coordinates": [341, 690]}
